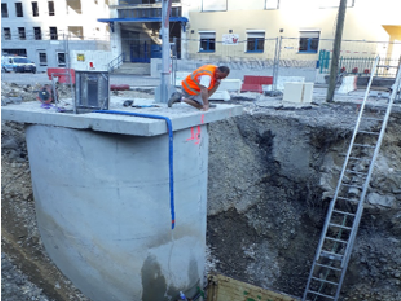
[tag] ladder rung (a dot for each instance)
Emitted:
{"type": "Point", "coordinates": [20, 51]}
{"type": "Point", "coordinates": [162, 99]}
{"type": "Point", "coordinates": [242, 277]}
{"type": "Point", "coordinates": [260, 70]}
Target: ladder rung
{"type": "Point", "coordinates": [341, 198]}
{"type": "Point", "coordinates": [371, 118]}
{"type": "Point", "coordinates": [331, 254]}
{"type": "Point", "coordinates": [328, 267]}
{"type": "Point", "coordinates": [365, 132]}
{"type": "Point", "coordinates": [316, 293]}
{"type": "Point", "coordinates": [343, 212]}
{"type": "Point", "coordinates": [351, 185]}
{"type": "Point", "coordinates": [340, 226]}
{"type": "Point", "coordinates": [359, 159]}
{"type": "Point", "coordinates": [356, 172]}
{"type": "Point", "coordinates": [339, 240]}
{"type": "Point", "coordinates": [318, 279]}
{"type": "Point", "coordinates": [351, 200]}
{"type": "Point", "coordinates": [366, 145]}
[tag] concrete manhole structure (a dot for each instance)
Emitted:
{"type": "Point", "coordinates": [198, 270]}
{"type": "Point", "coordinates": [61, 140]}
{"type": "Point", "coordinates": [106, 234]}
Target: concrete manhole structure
{"type": "Point", "coordinates": [102, 187]}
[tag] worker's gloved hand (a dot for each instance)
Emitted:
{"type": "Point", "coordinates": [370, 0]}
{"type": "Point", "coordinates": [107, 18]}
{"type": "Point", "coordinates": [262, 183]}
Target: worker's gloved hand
{"type": "Point", "coordinates": [205, 107]}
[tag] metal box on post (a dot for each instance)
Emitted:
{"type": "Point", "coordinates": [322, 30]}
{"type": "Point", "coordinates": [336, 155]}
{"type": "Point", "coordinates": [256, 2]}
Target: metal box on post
{"type": "Point", "coordinates": [91, 91]}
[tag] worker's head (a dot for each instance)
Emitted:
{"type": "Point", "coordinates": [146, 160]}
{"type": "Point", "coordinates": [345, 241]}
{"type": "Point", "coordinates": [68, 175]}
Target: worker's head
{"type": "Point", "coordinates": [222, 72]}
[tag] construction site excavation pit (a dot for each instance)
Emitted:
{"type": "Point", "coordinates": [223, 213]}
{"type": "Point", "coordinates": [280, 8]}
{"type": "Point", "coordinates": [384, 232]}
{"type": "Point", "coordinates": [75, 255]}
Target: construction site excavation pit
{"type": "Point", "coordinates": [270, 174]}
{"type": "Point", "coordinates": [121, 200]}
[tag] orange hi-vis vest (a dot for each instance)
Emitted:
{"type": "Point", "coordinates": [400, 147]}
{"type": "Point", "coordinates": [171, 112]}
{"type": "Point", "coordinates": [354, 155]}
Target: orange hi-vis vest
{"type": "Point", "coordinates": [191, 82]}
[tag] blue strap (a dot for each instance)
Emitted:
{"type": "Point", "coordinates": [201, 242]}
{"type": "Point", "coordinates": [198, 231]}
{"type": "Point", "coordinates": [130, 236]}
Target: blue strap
{"type": "Point", "coordinates": [170, 150]}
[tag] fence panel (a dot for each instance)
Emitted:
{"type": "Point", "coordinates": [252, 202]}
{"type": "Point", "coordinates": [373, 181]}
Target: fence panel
{"type": "Point", "coordinates": [135, 60]}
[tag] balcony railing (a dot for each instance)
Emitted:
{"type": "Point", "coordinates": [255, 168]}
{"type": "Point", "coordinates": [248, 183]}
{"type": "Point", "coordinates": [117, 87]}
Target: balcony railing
{"type": "Point", "coordinates": [147, 13]}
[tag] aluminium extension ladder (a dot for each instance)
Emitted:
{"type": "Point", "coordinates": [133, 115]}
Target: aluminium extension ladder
{"type": "Point", "coordinates": [345, 211]}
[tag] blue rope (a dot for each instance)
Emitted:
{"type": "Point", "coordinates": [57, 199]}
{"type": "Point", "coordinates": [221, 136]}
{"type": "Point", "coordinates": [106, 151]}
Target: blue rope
{"type": "Point", "coordinates": [170, 150]}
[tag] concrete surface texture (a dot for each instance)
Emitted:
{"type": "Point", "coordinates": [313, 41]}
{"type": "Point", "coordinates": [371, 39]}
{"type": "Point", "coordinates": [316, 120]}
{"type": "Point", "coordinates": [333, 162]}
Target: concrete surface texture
{"type": "Point", "coordinates": [103, 210]}
{"type": "Point", "coordinates": [182, 116]}
{"type": "Point", "coordinates": [103, 198]}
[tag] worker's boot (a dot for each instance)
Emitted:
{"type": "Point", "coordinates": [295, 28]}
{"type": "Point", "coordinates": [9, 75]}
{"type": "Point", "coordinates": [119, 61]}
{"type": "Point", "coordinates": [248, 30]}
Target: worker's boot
{"type": "Point", "coordinates": [176, 97]}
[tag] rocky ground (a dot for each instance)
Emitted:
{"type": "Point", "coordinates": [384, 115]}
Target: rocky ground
{"type": "Point", "coordinates": [15, 285]}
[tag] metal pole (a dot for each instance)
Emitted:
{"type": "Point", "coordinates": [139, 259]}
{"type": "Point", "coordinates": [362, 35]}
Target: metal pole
{"type": "Point", "coordinates": [54, 94]}
{"type": "Point", "coordinates": [166, 8]}
{"type": "Point", "coordinates": [336, 51]}
{"type": "Point", "coordinates": [276, 63]}
{"type": "Point", "coordinates": [174, 63]}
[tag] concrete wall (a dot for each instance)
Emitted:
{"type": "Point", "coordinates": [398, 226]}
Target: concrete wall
{"type": "Point", "coordinates": [105, 218]}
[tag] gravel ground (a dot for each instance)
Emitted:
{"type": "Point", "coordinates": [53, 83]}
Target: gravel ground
{"type": "Point", "coordinates": [15, 285]}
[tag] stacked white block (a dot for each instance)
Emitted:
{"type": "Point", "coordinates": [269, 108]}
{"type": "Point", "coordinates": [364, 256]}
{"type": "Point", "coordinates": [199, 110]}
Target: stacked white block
{"type": "Point", "coordinates": [231, 85]}
{"type": "Point", "coordinates": [226, 86]}
{"type": "Point", "coordinates": [282, 80]}
{"type": "Point", "coordinates": [298, 92]}
{"type": "Point", "coordinates": [348, 84]}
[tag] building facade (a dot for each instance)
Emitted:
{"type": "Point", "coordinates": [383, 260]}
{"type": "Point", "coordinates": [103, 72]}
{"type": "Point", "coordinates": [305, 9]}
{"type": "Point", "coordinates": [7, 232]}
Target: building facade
{"type": "Point", "coordinates": [39, 29]}
{"type": "Point", "coordinates": [227, 29]}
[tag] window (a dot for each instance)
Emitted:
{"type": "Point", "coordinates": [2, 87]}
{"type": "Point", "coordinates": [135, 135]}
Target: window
{"type": "Point", "coordinates": [214, 5]}
{"type": "Point", "coordinates": [309, 41]}
{"type": "Point", "coordinates": [18, 10]}
{"type": "Point", "coordinates": [53, 33]}
{"type": "Point", "coordinates": [51, 9]}
{"type": "Point", "coordinates": [271, 4]}
{"type": "Point", "coordinates": [4, 11]}
{"type": "Point", "coordinates": [255, 41]}
{"type": "Point", "coordinates": [37, 33]}
{"type": "Point", "coordinates": [14, 52]}
{"type": "Point", "coordinates": [61, 58]}
{"type": "Point", "coordinates": [207, 41]}
{"type": "Point", "coordinates": [42, 58]}
{"type": "Point", "coordinates": [35, 9]}
{"type": "Point", "coordinates": [21, 33]}
{"type": "Point", "coordinates": [7, 34]}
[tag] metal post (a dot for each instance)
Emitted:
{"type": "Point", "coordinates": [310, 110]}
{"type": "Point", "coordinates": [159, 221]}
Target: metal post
{"type": "Point", "coordinates": [274, 65]}
{"type": "Point", "coordinates": [336, 51]}
{"type": "Point", "coordinates": [174, 63]}
{"type": "Point", "coordinates": [54, 94]}
{"type": "Point", "coordinates": [276, 62]}
{"type": "Point", "coordinates": [68, 72]}
{"type": "Point", "coordinates": [166, 8]}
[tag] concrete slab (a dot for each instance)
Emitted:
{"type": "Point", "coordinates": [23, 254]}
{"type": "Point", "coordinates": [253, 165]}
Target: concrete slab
{"type": "Point", "coordinates": [182, 116]}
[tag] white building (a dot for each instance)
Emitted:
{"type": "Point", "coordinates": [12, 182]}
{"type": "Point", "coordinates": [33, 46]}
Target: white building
{"type": "Point", "coordinates": [38, 29]}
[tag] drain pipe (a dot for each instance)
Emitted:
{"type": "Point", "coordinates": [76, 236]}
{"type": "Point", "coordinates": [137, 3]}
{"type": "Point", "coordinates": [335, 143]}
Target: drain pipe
{"type": "Point", "coordinates": [170, 150]}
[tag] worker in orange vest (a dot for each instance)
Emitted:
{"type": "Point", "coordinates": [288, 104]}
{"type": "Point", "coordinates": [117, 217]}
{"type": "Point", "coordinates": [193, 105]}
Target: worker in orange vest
{"type": "Point", "coordinates": [200, 85]}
